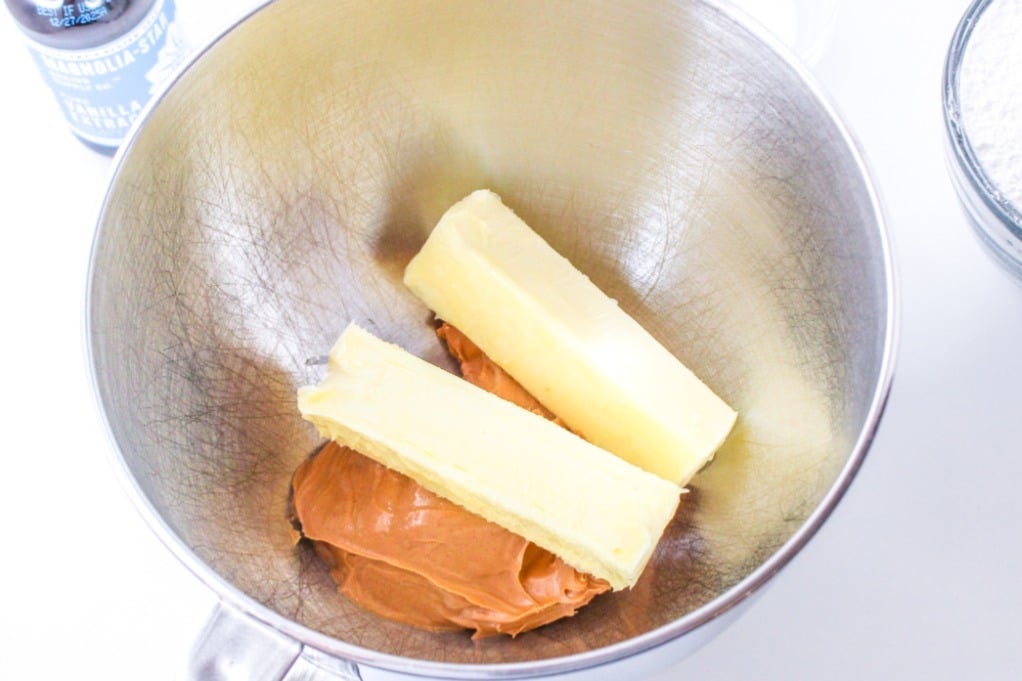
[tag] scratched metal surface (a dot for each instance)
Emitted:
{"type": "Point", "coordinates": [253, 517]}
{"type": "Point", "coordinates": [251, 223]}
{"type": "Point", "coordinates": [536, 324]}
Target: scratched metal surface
{"type": "Point", "coordinates": [279, 189]}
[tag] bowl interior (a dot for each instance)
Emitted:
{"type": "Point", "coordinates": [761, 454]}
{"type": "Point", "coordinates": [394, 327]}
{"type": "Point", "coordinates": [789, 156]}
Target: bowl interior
{"type": "Point", "coordinates": [281, 185]}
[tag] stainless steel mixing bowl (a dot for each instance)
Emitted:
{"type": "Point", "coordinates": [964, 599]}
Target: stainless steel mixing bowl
{"type": "Point", "coordinates": [277, 189]}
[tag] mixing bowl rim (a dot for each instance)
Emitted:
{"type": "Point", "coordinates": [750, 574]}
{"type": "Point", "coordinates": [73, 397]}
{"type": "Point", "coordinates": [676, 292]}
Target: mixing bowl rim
{"type": "Point", "coordinates": [236, 598]}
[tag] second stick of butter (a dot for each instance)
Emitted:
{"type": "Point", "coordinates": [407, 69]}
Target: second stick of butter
{"type": "Point", "coordinates": [600, 514]}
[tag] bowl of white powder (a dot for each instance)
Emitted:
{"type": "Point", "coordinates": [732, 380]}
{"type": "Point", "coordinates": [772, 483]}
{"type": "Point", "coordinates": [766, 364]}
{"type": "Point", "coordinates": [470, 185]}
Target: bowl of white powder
{"type": "Point", "coordinates": [983, 116]}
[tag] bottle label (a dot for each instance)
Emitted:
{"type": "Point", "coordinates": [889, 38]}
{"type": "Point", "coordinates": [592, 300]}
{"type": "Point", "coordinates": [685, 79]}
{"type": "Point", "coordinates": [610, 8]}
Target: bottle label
{"type": "Point", "coordinates": [103, 89]}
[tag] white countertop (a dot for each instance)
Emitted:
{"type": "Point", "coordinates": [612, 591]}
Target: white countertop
{"type": "Point", "coordinates": [914, 577]}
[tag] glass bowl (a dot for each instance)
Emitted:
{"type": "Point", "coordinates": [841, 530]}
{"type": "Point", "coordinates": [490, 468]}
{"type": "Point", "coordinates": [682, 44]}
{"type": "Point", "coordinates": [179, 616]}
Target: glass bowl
{"type": "Point", "coordinates": [984, 140]}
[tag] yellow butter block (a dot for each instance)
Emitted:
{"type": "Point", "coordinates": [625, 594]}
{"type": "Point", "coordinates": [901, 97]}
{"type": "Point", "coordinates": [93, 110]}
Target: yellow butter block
{"type": "Point", "coordinates": [600, 514]}
{"type": "Point", "coordinates": [486, 272]}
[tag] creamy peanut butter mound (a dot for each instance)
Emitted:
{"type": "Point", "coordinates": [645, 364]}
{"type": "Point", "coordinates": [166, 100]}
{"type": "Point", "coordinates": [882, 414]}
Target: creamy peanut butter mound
{"type": "Point", "coordinates": [409, 555]}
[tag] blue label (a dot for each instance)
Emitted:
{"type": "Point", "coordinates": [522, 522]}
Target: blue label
{"type": "Point", "coordinates": [103, 89]}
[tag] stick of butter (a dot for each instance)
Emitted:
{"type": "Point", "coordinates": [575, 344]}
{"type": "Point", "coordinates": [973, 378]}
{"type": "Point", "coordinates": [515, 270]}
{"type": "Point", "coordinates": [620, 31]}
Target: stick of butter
{"type": "Point", "coordinates": [483, 270]}
{"type": "Point", "coordinates": [600, 514]}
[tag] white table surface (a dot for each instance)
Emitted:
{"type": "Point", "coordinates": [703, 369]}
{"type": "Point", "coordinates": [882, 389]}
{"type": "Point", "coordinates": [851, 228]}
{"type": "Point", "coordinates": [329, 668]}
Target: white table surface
{"type": "Point", "coordinates": [914, 577]}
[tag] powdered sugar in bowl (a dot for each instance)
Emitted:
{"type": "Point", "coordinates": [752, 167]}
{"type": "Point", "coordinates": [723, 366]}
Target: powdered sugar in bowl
{"type": "Point", "coordinates": [982, 113]}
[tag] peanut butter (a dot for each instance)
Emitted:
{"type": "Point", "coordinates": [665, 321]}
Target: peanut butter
{"type": "Point", "coordinates": [409, 555]}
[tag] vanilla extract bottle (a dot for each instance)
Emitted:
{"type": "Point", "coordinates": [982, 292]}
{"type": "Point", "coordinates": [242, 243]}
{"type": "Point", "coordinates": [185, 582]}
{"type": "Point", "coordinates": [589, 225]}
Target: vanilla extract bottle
{"type": "Point", "coordinates": [103, 59]}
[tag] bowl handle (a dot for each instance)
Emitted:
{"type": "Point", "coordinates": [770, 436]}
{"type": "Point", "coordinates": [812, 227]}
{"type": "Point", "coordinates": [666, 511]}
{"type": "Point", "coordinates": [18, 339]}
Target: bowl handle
{"type": "Point", "coordinates": [234, 647]}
